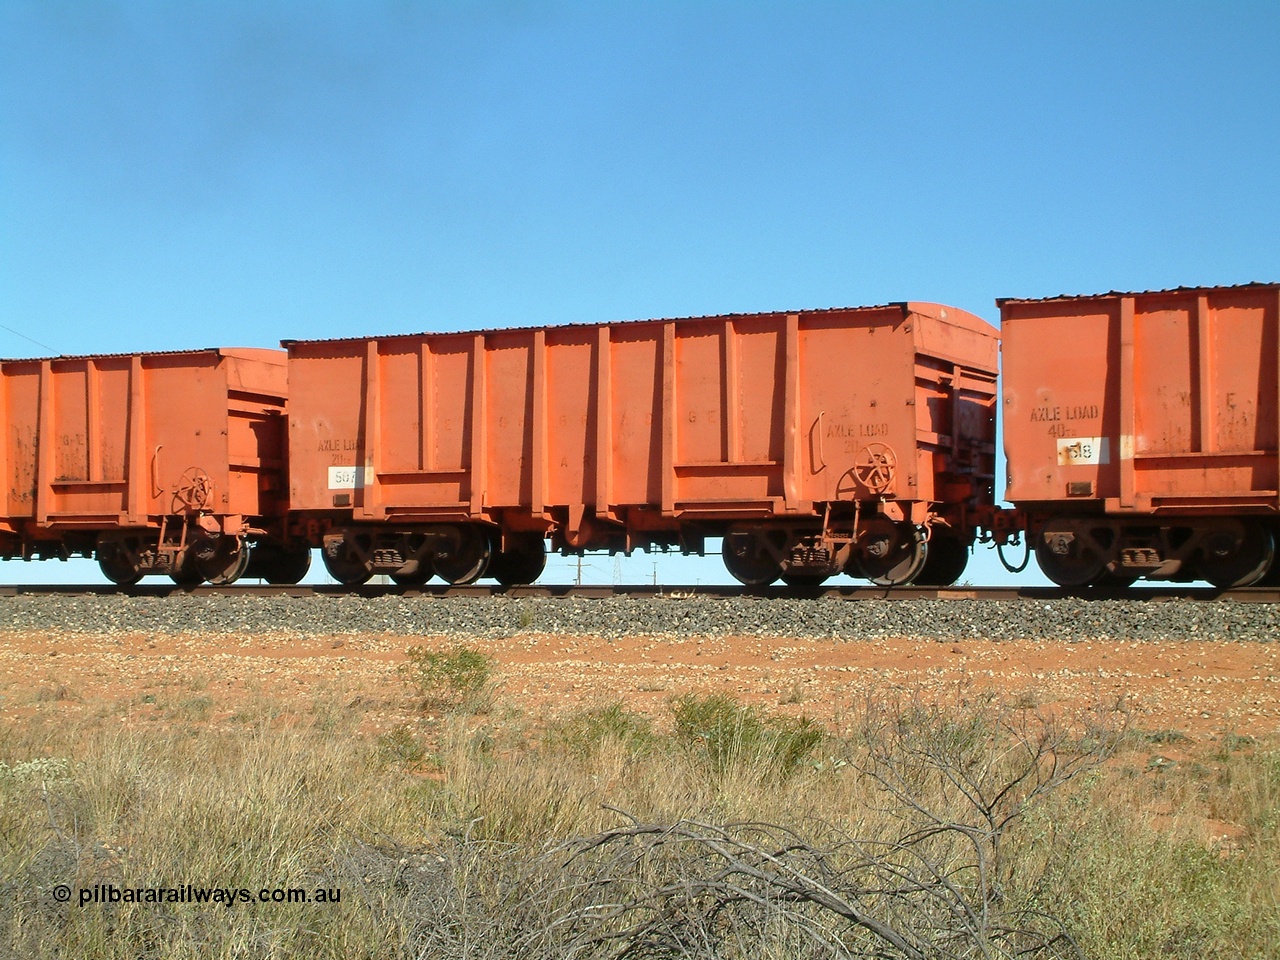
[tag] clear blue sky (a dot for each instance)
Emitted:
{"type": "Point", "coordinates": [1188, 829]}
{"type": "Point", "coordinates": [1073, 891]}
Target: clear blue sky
{"type": "Point", "coordinates": [183, 175]}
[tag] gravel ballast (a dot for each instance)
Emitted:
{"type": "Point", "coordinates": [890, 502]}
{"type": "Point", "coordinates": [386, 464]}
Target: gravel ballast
{"type": "Point", "coordinates": [495, 617]}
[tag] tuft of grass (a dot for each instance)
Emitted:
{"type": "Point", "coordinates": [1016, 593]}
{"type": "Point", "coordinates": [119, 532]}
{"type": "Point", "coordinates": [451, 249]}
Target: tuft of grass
{"type": "Point", "coordinates": [725, 733]}
{"type": "Point", "coordinates": [401, 745]}
{"type": "Point", "coordinates": [54, 690]}
{"type": "Point", "coordinates": [194, 708]}
{"type": "Point", "coordinates": [1165, 736]}
{"type": "Point", "coordinates": [458, 678]}
{"type": "Point", "coordinates": [586, 733]}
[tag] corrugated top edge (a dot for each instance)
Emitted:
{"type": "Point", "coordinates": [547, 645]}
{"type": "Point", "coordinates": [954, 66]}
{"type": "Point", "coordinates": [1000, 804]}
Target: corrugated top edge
{"type": "Point", "coordinates": [1001, 301]}
{"type": "Point", "coordinates": [131, 353]}
{"type": "Point", "coordinates": [896, 305]}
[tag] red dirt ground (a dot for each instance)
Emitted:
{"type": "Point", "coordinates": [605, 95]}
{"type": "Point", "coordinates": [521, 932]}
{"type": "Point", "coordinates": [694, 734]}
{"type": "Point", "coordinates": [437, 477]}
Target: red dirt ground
{"type": "Point", "coordinates": [1200, 690]}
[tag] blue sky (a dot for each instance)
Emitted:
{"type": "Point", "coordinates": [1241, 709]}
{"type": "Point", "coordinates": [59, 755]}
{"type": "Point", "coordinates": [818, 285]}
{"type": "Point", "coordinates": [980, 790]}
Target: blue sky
{"type": "Point", "coordinates": [183, 175]}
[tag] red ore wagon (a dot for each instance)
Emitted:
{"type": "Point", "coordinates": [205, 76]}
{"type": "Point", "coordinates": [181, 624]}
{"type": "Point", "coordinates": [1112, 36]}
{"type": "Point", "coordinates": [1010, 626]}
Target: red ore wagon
{"type": "Point", "coordinates": [813, 442]}
{"type": "Point", "coordinates": [1142, 434]}
{"type": "Point", "coordinates": [155, 463]}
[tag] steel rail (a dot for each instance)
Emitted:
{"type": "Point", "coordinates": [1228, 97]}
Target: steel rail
{"type": "Point", "coordinates": [646, 591]}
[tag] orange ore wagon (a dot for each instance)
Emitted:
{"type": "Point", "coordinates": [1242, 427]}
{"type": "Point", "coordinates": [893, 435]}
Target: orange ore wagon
{"type": "Point", "coordinates": [1142, 435]}
{"type": "Point", "coordinates": [815, 442]}
{"type": "Point", "coordinates": [155, 463]}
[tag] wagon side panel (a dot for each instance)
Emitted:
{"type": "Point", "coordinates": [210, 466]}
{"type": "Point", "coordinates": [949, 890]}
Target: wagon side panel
{"type": "Point", "coordinates": [566, 436]}
{"type": "Point", "coordinates": [326, 425]}
{"type": "Point", "coordinates": [1144, 402]}
{"type": "Point", "coordinates": [1205, 398]}
{"type": "Point", "coordinates": [1062, 397]}
{"type": "Point", "coordinates": [854, 422]}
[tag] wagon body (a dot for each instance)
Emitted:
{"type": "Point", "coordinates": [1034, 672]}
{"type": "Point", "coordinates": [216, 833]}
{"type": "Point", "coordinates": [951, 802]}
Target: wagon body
{"type": "Point", "coordinates": [626, 434]}
{"type": "Point", "coordinates": [100, 446]}
{"type": "Point", "coordinates": [1160, 404]}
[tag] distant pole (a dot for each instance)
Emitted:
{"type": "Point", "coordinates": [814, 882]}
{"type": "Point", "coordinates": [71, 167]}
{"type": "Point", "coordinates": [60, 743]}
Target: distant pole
{"type": "Point", "coordinates": [655, 573]}
{"type": "Point", "coordinates": [579, 580]}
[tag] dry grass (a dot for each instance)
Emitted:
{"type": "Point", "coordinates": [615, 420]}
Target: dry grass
{"type": "Point", "coordinates": [484, 836]}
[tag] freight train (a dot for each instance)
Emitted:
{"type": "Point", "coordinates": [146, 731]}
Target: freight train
{"type": "Point", "coordinates": [1140, 431]}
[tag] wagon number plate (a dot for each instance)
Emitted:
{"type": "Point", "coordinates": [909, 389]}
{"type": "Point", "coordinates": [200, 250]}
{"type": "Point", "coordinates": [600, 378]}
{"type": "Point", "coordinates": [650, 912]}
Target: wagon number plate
{"type": "Point", "coordinates": [1076, 450]}
{"type": "Point", "coordinates": [346, 478]}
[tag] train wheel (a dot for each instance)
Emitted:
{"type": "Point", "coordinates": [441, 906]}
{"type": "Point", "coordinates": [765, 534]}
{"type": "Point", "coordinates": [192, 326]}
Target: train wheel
{"type": "Point", "coordinates": [416, 577]}
{"type": "Point", "coordinates": [522, 563]}
{"type": "Point", "coordinates": [748, 561]}
{"type": "Point", "coordinates": [226, 564]}
{"type": "Point", "coordinates": [1070, 554]}
{"type": "Point", "coordinates": [348, 570]}
{"type": "Point", "coordinates": [1239, 562]}
{"type": "Point", "coordinates": [948, 556]}
{"type": "Point", "coordinates": [187, 572]}
{"type": "Point", "coordinates": [117, 567]}
{"type": "Point", "coordinates": [288, 566]}
{"type": "Point", "coordinates": [469, 560]}
{"type": "Point", "coordinates": [893, 555]}
{"type": "Point", "coordinates": [1272, 578]}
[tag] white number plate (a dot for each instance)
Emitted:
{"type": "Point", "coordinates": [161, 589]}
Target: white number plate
{"type": "Point", "coordinates": [346, 478]}
{"type": "Point", "coordinates": [1074, 450]}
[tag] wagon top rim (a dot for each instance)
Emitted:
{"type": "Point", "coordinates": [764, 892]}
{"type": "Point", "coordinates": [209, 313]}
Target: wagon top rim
{"type": "Point", "coordinates": [904, 308]}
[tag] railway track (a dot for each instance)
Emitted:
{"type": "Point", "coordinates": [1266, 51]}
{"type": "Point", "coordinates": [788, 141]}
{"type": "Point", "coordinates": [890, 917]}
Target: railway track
{"type": "Point", "coordinates": [646, 591]}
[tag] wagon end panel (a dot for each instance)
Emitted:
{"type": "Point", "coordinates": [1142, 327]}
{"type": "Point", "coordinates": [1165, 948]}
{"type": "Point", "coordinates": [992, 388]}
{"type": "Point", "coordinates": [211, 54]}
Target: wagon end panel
{"type": "Point", "coordinates": [956, 361]}
{"type": "Point", "coordinates": [256, 385]}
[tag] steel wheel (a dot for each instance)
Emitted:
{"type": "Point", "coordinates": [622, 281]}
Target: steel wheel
{"type": "Point", "coordinates": [1272, 577]}
{"type": "Point", "coordinates": [226, 563]}
{"type": "Point", "coordinates": [948, 556]}
{"type": "Point", "coordinates": [416, 577]}
{"type": "Point", "coordinates": [117, 567]}
{"type": "Point", "coordinates": [892, 555]}
{"type": "Point", "coordinates": [348, 570]}
{"type": "Point", "coordinates": [289, 566]}
{"type": "Point", "coordinates": [1070, 553]}
{"type": "Point", "coordinates": [748, 561]}
{"type": "Point", "coordinates": [1242, 561]}
{"type": "Point", "coordinates": [187, 572]}
{"type": "Point", "coordinates": [522, 563]}
{"type": "Point", "coordinates": [469, 558]}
